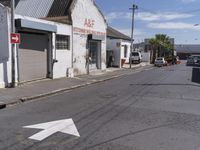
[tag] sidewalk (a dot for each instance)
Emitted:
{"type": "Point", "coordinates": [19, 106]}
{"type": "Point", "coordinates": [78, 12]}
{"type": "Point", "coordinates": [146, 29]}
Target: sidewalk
{"type": "Point", "coordinates": [29, 91]}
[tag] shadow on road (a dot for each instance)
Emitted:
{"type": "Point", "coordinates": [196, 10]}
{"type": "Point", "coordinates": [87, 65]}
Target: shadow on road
{"type": "Point", "coordinates": [166, 84]}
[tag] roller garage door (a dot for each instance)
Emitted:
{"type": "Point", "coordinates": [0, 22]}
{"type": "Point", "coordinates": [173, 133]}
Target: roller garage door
{"type": "Point", "coordinates": [32, 56]}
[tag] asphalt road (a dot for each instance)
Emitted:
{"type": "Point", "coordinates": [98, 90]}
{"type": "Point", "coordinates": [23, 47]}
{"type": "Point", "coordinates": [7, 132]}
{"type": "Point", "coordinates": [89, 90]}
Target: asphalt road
{"type": "Point", "coordinates": [156, 109]}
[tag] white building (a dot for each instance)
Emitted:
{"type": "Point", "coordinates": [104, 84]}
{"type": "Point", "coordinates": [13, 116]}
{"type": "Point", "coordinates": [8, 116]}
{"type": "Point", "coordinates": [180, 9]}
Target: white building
{"type": "Point", "coordinates": [54, 42]}
{"type": "Point", "coordinates": [118, 45]}
{"type": "Point", "coordinates": [89, 32]}
{"type": "Point", "coordinates": [5, 48]}
{"type": "Point", "coordinates": [140, 47]}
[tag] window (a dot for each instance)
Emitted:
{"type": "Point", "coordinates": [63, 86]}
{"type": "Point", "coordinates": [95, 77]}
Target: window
{"type": "Point", "coordinates": [62, 42]}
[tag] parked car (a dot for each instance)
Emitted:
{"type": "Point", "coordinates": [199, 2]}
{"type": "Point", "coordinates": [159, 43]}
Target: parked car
{"type": "Point", "coordinates": [136, 57]}
{"type": "Point", "coordinates": [196, 60]}
{"type": "Point", "coordinates": [193, 60]}
{"type": "Point", "coordinates": [160, 61]}
{"type": "Point", "coordinates": [190, 61]}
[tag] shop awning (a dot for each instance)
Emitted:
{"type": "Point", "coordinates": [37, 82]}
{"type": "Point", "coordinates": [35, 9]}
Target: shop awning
{"type": "Point", "coordinates": [22, 23]}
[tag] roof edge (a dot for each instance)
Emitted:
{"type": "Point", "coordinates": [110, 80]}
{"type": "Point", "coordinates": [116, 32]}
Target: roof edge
{"type": "Point", "coordinates": [119, 36]}
{"type": "Point", "coordinates": [100, 12]}
{"type": "Point", "coordinates": [2, 5]}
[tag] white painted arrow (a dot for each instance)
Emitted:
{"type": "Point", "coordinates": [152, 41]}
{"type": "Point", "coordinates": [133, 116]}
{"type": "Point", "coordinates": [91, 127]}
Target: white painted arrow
{"type": "Point", "coordinates": [15, 38]}
{"type": "Point", "coordinates": [65, 126]}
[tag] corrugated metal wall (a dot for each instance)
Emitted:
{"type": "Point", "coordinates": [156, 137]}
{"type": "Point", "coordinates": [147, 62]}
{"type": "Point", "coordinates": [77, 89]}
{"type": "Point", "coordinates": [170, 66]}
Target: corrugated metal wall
{"type": "Point", "coordinates": [59, 8]}
{"type": "Point", "coordinates": [34, 8]}
{"type": "Point", "coordinates": [43, 8]}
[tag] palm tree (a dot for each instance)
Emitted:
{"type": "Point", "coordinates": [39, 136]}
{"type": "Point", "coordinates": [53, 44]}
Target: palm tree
{"type": "Point", "coordinates": [164, 44]}
{"type": "Point", "coordinates": [161, 44]}
{"type": "Point", "coordinates": [154, 44]}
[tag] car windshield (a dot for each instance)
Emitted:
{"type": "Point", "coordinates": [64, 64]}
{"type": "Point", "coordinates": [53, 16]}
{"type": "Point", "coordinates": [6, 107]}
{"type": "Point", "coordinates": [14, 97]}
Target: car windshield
{"type": "Point", "coordinates": [196, 57]}
{"type": "Point", "coordinates": [135, 54]}
{"type": "Point", "coordinates": [159, 58]}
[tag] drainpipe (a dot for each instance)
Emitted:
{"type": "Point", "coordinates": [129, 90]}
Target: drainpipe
{"type": "Point", "coordinates": [87, 56]}
{"type": "Point", "coordinates": [17, 59]}
{"type": "Point", "coordinates": [72, 47]}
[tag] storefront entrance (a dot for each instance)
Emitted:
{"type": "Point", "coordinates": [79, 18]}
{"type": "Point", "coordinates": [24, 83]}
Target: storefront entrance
{"type": "Point", "coordinates": [33, 57]}
{"type": "Point", "coordinates": [95, 54]}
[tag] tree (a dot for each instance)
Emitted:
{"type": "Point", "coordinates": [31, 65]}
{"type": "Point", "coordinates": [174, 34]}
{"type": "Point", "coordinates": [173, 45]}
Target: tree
{"type": "Point", "coordinates": [154, 44]}
{"type": "Point", "coordinates": [161, 45]}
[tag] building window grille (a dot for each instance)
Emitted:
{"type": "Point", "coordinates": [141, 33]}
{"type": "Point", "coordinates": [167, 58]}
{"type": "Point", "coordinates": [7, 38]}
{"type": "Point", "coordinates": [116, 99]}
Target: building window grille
{"type": "Point", "coordinates": [62, 42]}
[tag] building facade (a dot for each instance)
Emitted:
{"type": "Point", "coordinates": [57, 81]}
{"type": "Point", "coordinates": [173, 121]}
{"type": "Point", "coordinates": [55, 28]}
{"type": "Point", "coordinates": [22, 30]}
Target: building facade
{"type": "Point", "coordinates": [119, 46]}
{"type": "Point", "coordinates": [61, 38]}
{"type": "Point", "coordinates": [185, 50]}
{"type": "Point", "coordinates": [5, 47]}
{"type": "Point", "coordinates": [89, 37]}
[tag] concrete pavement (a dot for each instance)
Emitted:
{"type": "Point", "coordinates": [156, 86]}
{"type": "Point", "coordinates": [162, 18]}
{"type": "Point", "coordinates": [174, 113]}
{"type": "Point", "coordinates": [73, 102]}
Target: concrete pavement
{"type": "Point", "coordinates": [47, 87]}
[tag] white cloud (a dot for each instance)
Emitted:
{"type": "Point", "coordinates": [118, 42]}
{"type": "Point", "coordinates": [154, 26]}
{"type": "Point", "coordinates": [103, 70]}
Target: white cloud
{"type": "Point", "coordinates": [147, 16]}
{"type": "Point", "coordinates": [188, 1]}
{"type": "Point", "coordinates": [136, 32]}
{"type": "Point", "coordinates": [118, 15]}
{"type": "Point", "coordinates": [173, 25]}
{"type": "Point", "coordinates": [164, 16]}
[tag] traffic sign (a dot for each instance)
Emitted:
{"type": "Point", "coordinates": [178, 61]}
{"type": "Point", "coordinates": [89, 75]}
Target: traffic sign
{"type": "Point", "coordinates": [15, 38]}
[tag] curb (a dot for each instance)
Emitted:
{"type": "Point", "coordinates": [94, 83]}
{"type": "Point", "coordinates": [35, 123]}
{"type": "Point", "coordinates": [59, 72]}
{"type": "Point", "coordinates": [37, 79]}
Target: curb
{"type": "Point", "coordinates": [24, 99]}
{"type": "Point", "coordinates": [29, 98]}
{"type": "Point", "coordinates": [54, 92]}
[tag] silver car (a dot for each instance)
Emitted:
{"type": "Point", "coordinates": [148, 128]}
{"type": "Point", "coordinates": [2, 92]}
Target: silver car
{"type": "Point", "coordinates": [193, 60]}
{"type": "Point", "coordinates": [160, 61]}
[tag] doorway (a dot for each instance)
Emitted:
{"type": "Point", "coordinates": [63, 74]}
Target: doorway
{"type": "Point", "coordinates": [95, 54]}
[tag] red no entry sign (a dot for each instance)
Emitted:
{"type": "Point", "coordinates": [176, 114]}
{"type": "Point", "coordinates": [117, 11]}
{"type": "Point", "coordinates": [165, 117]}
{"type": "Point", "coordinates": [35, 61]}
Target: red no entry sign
{"type": "Point", "coordinates": [15, 38]}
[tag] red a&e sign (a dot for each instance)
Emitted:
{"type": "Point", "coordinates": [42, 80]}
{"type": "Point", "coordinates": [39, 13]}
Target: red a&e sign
{"type": "Point", "coordinates": [15, 38]}
{"type": "Point", "coordinates": [89, 23]}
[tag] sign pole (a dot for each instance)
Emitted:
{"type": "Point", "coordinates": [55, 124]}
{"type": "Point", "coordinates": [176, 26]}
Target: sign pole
{"type": "Point", "coordinates": [13, 45]}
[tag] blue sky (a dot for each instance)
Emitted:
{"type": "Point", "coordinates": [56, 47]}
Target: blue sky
{"type": "Point", "coordinates": [176, 18]}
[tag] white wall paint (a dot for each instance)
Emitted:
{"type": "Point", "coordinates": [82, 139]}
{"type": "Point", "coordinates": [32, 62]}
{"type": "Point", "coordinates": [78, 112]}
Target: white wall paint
{"type": "Point", "coordinates": [82, 10]}
{"type": "Point", "coordinates": [113, 44]}
{"type": "Point", "coordinates": [145, 56]}
{"type": "Point", "coordinates": [128, 50]}
{"type": "Point", "coordinates": [64, 57]}
{"type": "Point", "coordinates": [5, 58]}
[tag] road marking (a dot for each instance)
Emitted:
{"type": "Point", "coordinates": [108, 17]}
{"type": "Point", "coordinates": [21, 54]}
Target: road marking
{"type": "Point", "coordinates": [65, 126]}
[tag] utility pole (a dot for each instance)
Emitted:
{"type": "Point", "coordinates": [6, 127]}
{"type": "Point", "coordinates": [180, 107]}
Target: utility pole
{"type": "Point", "coordinates": [133, 17]}
{"type": "Point", "coordinates": [13, 45]}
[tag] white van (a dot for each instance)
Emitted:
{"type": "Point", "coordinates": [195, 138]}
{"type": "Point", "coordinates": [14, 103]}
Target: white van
{"type": "Point", "coordinates": [136, 57]}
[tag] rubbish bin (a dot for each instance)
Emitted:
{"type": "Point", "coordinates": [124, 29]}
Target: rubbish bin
{"type": "Point", "coordinates": [196, 75]}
